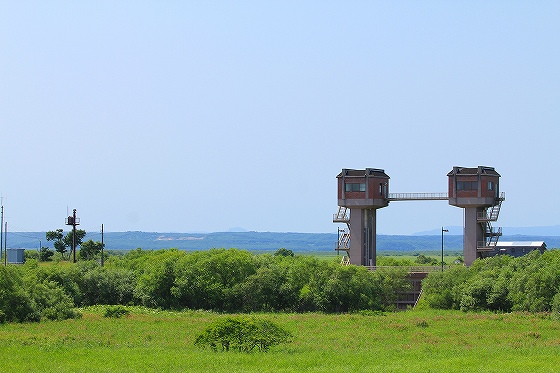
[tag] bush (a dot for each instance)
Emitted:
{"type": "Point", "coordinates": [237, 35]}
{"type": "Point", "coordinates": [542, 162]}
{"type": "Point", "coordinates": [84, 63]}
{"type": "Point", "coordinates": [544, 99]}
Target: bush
{"type": "Point", "coordinates": [156, 278]}
{"type": "Point", "coordinates": [284, 252]}
{"type": "Point", "coordinates": [242, 333]}
{"type": "Point", "coordinates": [501, 283]}
{"type": "Point", "coordinates": [441, 290]}
{"type": "Point", "coordinates": [108, 285]}
{"type": "Point", "coordinates": [16, 305]}
{"type": "Point", "coordinates": [52, 302]}
{"type": "Point", "coordinates": [425, 260]}
{"type": "Point", "coordinates": [46, 254]}
{"type": "Point", "coordinates": [30, 254]}
{"type": "Point", "coordinates": [212, 279]}
{"type": "Point", "coordinates": [116, 311]}
{"type": "Point", "coordinates": [68, 277]}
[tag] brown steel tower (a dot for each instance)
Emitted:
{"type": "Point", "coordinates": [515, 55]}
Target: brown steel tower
{"type": "Point", "coordinates": [477, 191]}
{"type": "Point", "coordinates": [362, 192]}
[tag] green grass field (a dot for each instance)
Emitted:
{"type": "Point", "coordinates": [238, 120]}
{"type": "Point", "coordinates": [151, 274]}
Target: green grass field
{"type": "Point", "coordinates": [412, 341]}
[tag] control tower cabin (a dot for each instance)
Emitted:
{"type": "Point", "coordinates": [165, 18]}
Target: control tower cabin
{"type": "Point", "coordinates": [476, 190]}
{"type": "Point", "coordinates": [362, 192]}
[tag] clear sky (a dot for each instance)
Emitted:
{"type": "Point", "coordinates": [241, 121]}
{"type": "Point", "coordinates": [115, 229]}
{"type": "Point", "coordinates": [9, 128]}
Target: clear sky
{"type": "Point", "coordinates": [183, 116]}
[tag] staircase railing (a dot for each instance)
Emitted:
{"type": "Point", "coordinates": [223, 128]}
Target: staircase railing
{"type": "Point", "coordinates": [341, 215]}
{"type": "Point", "coordinates": [343, 240]}
{"type": "Point", "coordinates": [492, 213]}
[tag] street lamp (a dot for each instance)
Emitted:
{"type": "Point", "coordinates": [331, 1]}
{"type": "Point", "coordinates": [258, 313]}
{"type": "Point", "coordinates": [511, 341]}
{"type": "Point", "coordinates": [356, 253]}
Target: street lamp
{"type": "Point", "coordinates": [442, 230]}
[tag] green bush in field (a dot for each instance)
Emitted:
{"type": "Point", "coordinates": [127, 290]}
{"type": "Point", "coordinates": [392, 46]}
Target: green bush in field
{"type": "Point", "coordinates": [425, 260]}
{"type": "Point", "coordinates": [242, 333]}
{"type": "Point", "coordinates": [16, 305]}
{"type": "Point", "coordinates": [23, 298]}
{"type": "Point", "coordinates": [156, 277]}
{"type": "Point", "coordinates": [501, 283]}
{"type": "Point", "coordinates": [52, 302]}
{"type": "Point", "coordinates": [116, 311]}
{"type": "Point", "coordinates": [107, 285]}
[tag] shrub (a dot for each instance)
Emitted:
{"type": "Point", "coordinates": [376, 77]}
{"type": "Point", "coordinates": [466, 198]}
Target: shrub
{"type": "Point", "coordinates": [116, 311]}
{"type": "Point", "coordinates": [156, 278]}
{"type": "Point", "coordinates": [52, 302]}
{"type": "Point", "coordinates": [31, 254]}
{"type": "Point", "coordinates": [425, 260]}
{"type": "Point", "coordinates": [346, 289]}
{"type": "Point", "coordinates": [45, 254]}
{"type": "Point", "coordinates": [242, 333]}
{"type": "Point", "coordinates": [16, 305]}
{"type": "Point", "coordinates": [68, 277]}
{"type": "Point", "coordinates": [212, 279]}
{"type": "Point", "coordinates": [108, 285]}
{"type": "Point", "coordinates": [442, 289]}
{"type": "Point", "coordinates": [284, 252]}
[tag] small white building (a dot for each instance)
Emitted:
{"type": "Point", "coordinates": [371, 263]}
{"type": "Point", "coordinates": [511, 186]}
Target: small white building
{"type": "Point", "coordinates": [519, 248]}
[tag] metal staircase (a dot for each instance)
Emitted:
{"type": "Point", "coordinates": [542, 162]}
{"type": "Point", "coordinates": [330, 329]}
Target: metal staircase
{"type": "Point", "coordinates": [343, 234]}
{"type": "Point", "coordinates": [485, 218]}
{"type": "Point", "coordinates": [341, 216]}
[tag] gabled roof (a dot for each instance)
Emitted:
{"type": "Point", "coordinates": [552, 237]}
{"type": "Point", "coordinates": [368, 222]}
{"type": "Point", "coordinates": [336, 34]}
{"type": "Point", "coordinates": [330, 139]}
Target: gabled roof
{"type": "Point", "coordinates": [375, 172]}
{"type": "Point", "coordinates": [480, 170]}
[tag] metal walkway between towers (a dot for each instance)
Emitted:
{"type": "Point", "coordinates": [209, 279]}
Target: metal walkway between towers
{"type": "Point", "coordinates": [418, 197]}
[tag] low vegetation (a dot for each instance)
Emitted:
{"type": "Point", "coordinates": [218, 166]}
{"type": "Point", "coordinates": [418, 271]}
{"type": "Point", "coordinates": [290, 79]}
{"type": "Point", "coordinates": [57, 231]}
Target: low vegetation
{"type": "Point", "coordinates": [242, 333]}
{"type": "Point", "coordinates": [218, 280]}
{"type": "Point", "coordinates": [149, 340]}
{"type": "Point", "coordinates": [151, 311]}
{"type": "Point", "coordinates": [500, 284]}
{"type": "Point", "coordinates": [116, 311]}
{"type": "Point", "coordinates": [240, 281]}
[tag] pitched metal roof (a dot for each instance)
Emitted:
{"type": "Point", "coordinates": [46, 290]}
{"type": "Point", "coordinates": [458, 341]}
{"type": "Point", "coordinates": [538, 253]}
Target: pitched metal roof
{"type": "Point", "coordinates": [376, 172]}
{"type": "Point", "coordinates": [480, 170]}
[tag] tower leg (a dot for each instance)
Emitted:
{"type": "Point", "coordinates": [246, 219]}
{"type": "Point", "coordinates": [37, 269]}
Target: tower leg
{"type": "Point", "coordinates": [472, 234]}
{"type": "Point", "coordinates": [363, 237]}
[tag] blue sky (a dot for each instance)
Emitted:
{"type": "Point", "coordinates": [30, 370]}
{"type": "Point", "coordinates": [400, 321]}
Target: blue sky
{"type": "Point", "coordinates": [183, 116]}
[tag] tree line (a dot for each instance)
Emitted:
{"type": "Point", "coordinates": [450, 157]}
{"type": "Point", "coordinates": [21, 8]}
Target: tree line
{"type": "Point", "coordinates": [223, 280]}
{"type": "Point", "coordinates": [501, 283]}
{"type": "Point", "coordinates": [63, 243]}
{"type": "Point", "coordinates": [232, 280]}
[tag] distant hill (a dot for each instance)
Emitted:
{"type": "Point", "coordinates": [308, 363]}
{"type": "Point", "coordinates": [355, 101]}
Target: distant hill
{"type": "Point", "coordinates": [548, 231]}
{"type": "Point", "coordinates": [262, 241]}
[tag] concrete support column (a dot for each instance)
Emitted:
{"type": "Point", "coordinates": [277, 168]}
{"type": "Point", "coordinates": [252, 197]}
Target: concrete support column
{"type": "Point", "coordinates": [370, 237]}
{"type": "Point", "coordinates": [472, 234]}
{"type": "Point", "coordinates": [356, 236]}
{"type": "Point", "coordinates": [363, 237]}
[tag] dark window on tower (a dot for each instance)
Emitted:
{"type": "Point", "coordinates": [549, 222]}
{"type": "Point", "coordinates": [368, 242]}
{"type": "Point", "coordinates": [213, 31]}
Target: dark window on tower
{"type": "Point", "coordinates": [355, 187]}
{"type": "Point", "coordinates": [467, 185]}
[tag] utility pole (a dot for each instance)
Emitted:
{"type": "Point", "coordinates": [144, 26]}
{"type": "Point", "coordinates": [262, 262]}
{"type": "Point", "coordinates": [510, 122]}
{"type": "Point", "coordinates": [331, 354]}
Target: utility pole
{"type": "Point", "coordinates": [74, 234]}
{"type": "Point", "coordinates": [442, 230]}
{"type": "Point", "coordinates": [2, 232]}
{"type": "Point", "coordinates": [73, 221]}
{"type": "Point", "coordinates": [6, 244]}
{"type": "Point", "coordinates": [102, 246]}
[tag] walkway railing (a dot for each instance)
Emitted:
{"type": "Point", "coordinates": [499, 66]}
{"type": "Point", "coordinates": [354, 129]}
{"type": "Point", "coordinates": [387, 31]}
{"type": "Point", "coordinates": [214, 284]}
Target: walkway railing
{"type": "Point", "coordinates": [418, 196]}
{"type": "Point", "coordinates": [411, 269]}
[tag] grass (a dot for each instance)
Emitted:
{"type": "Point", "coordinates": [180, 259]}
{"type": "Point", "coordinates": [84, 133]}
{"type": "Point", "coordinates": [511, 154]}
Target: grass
{"type": "Point", "coordinates": [414, 341]}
